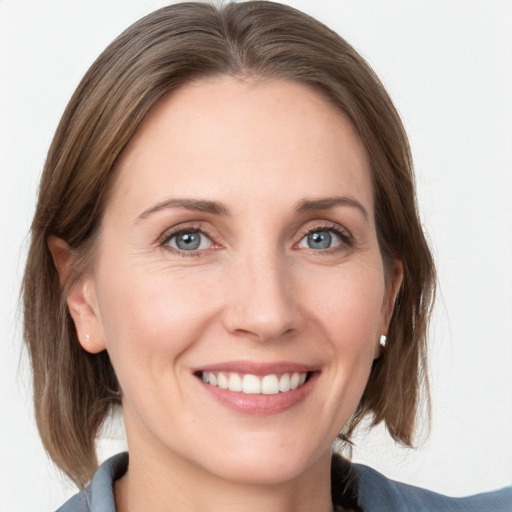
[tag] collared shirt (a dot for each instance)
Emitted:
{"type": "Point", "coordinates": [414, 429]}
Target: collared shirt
{"type": "Point", "coordinates": [373, 492]}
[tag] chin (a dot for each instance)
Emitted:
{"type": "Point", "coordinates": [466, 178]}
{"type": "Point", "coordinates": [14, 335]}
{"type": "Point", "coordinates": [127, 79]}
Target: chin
{"type": "Point", "coordinates": [264, 460]}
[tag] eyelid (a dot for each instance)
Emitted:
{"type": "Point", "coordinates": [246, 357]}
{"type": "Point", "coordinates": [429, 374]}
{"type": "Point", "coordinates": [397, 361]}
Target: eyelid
{"type": "Point", "coordinates": [193, 227]}
{"type": "Point", "coordinates": [344, 234]}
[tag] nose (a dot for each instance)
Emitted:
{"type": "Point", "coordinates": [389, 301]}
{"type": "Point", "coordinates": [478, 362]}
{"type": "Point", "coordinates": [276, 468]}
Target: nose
{"type": "Point", "coordinates": [262, 301]}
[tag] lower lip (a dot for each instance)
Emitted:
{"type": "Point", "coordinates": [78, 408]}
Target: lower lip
{"type": "Point", "coordinates": [261, 405]}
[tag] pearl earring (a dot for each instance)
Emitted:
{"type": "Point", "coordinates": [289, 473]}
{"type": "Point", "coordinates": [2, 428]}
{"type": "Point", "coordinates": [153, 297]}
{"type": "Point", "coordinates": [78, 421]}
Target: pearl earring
{"type": "Point", "coordinates": [87, 337]}
{"type": "Point", "coordinates": [382, 341]}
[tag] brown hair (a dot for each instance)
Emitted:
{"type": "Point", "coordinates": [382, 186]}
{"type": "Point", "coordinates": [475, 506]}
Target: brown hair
{"type": "Point", "coordinates": [75, 390]}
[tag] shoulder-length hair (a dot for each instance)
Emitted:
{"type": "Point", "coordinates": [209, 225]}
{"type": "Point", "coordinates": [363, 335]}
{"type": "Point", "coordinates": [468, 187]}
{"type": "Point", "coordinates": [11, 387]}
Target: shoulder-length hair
{"type": "Point", "coordinates": [74, 390]}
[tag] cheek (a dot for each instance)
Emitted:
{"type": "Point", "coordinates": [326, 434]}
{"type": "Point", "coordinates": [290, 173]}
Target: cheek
{"type": "Point", "coordinates": [348, 302]}
{"type": "Point", "coordinates": [148, 315]}
{"type": "Point", "coordinates": [349, 313]}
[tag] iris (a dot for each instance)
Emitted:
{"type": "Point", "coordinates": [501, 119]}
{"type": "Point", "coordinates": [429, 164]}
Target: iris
{"type": "Point", "coordinates": [188, 241]}
{"type": "Point", "coordinates": [319, 240]}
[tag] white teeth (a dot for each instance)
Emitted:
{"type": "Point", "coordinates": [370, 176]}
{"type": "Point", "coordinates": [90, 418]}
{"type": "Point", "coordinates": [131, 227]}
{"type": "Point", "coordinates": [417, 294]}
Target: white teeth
{"type": "Point", "coordinates": [251, 385]}
{"type": "Point", "coordinates": [270, 385]}
{"type": "Point", "coordinates": [254, 385]}
{"type": "Point", "coordinates": [235, 382]}
{"type": "Point", "coordinates": [284, 382]}
{"type": "Point", "coordinates": [222, 381]}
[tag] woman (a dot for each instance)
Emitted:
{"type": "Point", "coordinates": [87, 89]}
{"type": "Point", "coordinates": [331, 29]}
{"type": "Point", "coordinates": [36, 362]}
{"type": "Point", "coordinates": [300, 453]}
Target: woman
{"type": "Point", "coordinates": [228, 233]}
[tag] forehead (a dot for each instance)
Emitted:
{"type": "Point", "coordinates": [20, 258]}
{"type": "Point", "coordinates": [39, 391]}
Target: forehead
{"type": "Point", "coordinates": [227, 138]}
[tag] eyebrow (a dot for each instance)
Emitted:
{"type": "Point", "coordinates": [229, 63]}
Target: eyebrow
{"type": "Point", "coordinates": [330, 202]}
{"type": "Point", "coordinates": [217, 208]}
{"type": "Point", "coordinates": [197, 205]}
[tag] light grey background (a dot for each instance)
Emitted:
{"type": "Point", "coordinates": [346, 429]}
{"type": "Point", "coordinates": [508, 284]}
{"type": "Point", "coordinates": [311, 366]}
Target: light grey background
{"type": "Point", "coordinates": [448, 66]}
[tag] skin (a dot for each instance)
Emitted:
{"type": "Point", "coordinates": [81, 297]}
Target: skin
{"type": "Point", "coordinates": [255, 290]}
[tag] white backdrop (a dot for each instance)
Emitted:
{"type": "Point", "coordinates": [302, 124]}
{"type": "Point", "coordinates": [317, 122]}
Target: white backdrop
{"type": "Point", "coordinates": [448, 66]}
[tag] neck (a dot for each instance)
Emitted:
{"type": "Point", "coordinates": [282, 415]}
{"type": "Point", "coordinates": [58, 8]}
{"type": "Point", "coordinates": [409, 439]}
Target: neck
{"type": "Point", "coordinates": [158, 483]}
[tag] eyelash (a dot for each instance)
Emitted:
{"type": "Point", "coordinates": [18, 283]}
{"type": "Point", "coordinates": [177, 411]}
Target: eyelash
{"type": "Point", "coordinates": [347, 241]}
{"type": "Point", "coordinates": [346, 238]}
{"type": "Point", "coordinates": [169, 235]}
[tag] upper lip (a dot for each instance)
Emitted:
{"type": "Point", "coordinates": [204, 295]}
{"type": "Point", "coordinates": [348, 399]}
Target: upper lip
{"type": "Point", "coordinates": [257, 368]}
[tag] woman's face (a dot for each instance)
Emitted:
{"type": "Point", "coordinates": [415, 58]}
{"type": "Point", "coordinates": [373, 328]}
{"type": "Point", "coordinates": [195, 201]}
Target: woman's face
{"type": "Point", "coordinates": [239, 247]}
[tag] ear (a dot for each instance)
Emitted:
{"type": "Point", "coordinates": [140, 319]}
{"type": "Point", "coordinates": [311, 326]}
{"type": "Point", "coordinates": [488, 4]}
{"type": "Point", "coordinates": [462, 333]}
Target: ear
{"type": "Point", "coordinates": [393, 284]}
{"type": "Point", "coordinates": [80, 297]}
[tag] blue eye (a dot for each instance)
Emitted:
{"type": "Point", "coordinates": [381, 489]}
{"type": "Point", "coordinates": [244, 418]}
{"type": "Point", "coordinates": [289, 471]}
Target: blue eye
{"type": "Point", "coordinates": [189, 241]}
{"type": "Point", "coordinates": [321, 239]}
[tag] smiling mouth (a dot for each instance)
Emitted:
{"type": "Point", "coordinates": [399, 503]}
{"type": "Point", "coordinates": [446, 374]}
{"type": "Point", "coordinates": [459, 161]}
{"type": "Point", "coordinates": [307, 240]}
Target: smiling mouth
{"type": "Point", "coordinates": [250, 384]}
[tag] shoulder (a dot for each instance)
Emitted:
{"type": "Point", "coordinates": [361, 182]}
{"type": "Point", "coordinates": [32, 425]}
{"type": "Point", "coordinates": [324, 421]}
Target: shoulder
{"type": "Point", "coordinates": [99, 495]}
{"type": "Point", "coordinates": [376, 492]}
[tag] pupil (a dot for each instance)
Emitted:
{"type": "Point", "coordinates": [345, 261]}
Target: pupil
{"type": "Point", "coordinates": [188, 241]}
{"type": "Point", "coordinates": [319, 240]}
